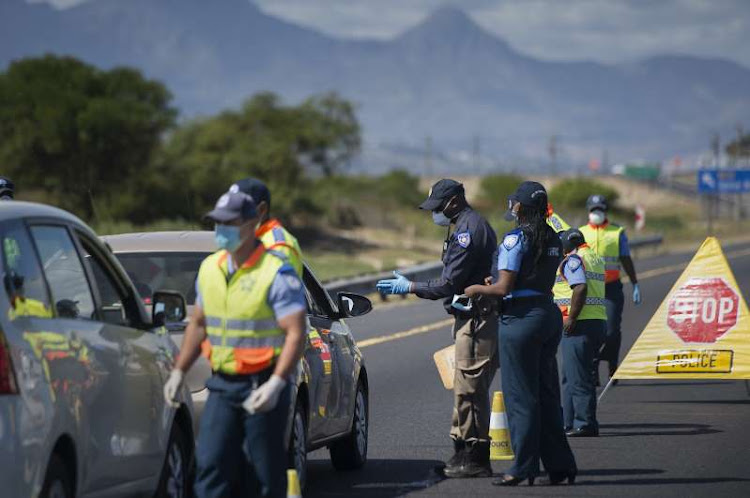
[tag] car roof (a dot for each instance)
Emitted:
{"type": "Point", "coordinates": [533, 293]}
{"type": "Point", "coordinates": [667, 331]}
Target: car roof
{"type": "Point", "coordinates": [11, 210]}
{"type": "Point", "coordinates": [171, 241]}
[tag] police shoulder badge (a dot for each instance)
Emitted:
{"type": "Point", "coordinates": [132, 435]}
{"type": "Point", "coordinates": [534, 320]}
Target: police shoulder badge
{"type": "Point", "coordinates": [292, 281]}
{"type": "Point", "coordinates": [574, 263]}
{"type": "Point", "coordinates": [510, 241]}
{"type": "Point", "coordinates": [463, 239]}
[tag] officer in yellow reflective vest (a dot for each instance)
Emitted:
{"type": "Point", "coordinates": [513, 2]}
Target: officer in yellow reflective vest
{"type": "Point", "coordinates": [249, 319]}
{"type": "Point", "coordinates": [555, 220]}
{"type": "Point", "coordinates": [270, 231]}
{"type": "Point", "coordinates": [579, 292]}
{"type": "Point", "coordinates": [611, 244]}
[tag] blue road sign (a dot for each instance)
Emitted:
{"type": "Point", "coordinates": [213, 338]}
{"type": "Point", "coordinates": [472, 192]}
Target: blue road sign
{"type": "Point", "coordinates": [728, 181]}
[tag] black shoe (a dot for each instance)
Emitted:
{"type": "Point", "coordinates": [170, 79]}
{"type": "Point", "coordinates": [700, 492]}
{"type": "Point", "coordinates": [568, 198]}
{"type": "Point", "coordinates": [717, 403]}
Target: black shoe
{"type": "Point", "coordinates": [456, 460]}
{"type": "Point", "coordinates": [556, 478]}
{"type": "Point", "coordinates": [509, 480]}
{"type": "Point", "coordinates": [567, 429]}
{"type": "Point", "coordinates": [583, 432]}
{"type": "Point", "coordinates": [475, 462]}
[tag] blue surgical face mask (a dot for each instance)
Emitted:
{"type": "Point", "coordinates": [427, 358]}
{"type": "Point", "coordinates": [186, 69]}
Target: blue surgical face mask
{"type": "Point", "coordinates": [440, 219]}
{"type": "Point", "coordinates": [227, 237]}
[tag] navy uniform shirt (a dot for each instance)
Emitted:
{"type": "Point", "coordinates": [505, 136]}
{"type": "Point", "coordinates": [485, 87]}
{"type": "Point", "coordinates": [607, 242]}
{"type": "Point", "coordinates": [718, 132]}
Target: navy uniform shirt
{"type": "Point", "coordinates": [468, 258]}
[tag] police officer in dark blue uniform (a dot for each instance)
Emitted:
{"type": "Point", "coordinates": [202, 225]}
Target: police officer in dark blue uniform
{"type": "Point", "coordinates": [530, 332]}
{"type": "Point", "coordinates": [7, 189]}
{"type": "Point", "coordinates": [468, 257]}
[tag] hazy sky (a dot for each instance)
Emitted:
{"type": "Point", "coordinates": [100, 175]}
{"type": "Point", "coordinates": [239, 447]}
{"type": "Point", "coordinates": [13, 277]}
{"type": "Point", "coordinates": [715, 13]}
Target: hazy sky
{"type": "Point", "coordinates": [603, 30]}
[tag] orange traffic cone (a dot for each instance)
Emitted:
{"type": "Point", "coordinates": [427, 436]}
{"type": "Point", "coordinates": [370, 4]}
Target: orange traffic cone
{"type": "Point", "coordinates": [292, 487]}
{"type": "Point", "coordinates": [500, 445]}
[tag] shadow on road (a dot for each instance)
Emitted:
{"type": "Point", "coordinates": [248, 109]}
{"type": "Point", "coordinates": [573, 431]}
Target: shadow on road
{"type": "Point", "coordinates": [381, 478]}
{"type": "Point", "coordinates": [706, 402]}
{"type": "Point", "coordinates": [664, 480]}
{"type": "Point", "coordinates": [618, 472]}
{"type": "Point", "coordinates": [656, 430]}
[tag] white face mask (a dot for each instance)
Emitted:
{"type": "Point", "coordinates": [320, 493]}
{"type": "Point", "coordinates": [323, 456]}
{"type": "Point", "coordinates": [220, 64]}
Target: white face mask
{"type": "Point", "coordinates": [597, 217]}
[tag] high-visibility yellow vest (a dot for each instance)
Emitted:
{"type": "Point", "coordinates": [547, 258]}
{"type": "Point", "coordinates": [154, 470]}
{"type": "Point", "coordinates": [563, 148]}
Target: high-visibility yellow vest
{"type": "Point", "coordinates": [243, 336]}
{"type": "Point", "coordinates": [275, 237]}
{"type": "Point", "coordinates": [29, 307]}
{"type": "Point", "coordinates": [593, 266]}
{"type": "Point", "coordinates": [557, 223]}
{"type": "Point", "coordinates": [605, 241]}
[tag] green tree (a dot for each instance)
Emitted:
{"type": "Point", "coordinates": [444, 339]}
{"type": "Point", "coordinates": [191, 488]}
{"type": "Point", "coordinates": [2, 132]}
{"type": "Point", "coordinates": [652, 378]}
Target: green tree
{"type": "Point", "coordinates": [282, 145]}
{"type": "Point", "coordinates": [83, 135]}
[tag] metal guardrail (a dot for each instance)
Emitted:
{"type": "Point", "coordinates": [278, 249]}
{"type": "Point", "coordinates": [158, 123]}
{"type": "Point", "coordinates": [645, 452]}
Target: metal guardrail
{"type": "Point", "coordinates": [365, 284]}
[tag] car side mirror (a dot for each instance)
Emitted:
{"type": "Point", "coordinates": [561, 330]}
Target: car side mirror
{"type": "Point", "coordinates": [351, 305]}
{"type": "Point", "coordinates": [167, 307]}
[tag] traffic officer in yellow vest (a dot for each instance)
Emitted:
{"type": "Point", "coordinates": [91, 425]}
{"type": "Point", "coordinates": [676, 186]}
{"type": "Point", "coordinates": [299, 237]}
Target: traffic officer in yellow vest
{"type": "Point", "coordinates": [555, 220]}
{"type": "Point", "coordinates": [579, 292]}
{"type": "Point", "coordinates": [270, 231]}
{"type": "Point", "coordinates": [609, 241]}
{"type": "Point", "coordinates": [249, 319]}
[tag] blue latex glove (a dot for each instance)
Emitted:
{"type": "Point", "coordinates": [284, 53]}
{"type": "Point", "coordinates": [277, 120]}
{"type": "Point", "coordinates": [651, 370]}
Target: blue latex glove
{"type": "Point", "coordinates": [636, 294]}
{"type": "Point", "coordinates": [398, 285]}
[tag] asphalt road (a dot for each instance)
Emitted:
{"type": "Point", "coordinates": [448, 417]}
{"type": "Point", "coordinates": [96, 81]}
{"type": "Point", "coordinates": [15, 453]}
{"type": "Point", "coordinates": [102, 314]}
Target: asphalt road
{"type": "Point", "coordinates": [658, 438]}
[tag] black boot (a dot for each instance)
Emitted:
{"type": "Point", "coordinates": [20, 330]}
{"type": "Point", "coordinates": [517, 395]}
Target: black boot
{"type": "Point", "coordinates": [476, 462]}
{"type": "Point", "coordinates": [452, 465]}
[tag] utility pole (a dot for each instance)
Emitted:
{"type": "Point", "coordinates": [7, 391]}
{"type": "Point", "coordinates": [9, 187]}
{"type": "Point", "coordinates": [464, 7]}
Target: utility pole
{"type": "Point", "coordinates": [475, 154]}
{"type": "Point", "coordinates": [428, 155]}
{"type": "Point", "coordinates": [716, 148]}
{"type": "Point", "coordinates": [553, 154]}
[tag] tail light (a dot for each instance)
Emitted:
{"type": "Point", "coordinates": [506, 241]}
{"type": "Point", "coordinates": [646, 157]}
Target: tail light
{"type": "Point", "coordinates": [7, 378]}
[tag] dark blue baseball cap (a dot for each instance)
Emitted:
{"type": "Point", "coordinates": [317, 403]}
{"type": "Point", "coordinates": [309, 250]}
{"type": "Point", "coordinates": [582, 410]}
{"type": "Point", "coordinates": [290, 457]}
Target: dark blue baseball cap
{"type": "Point", "coordinates": [597, 201]}
{"type": "Point", "coordinates": [254, 188]}
{"type": "Point", "coordinates": [440, 192]}
{"type": "Point", "coordinates": [572, 239]}
{"type": "Point", "coordinates": [232, 206]}
{"type": "Point", "coordinates": [530, 194]}
{"type": "Point", "coordinates": [7, 188]}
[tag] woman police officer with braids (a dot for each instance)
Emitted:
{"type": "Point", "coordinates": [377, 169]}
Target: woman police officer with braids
{"type": "Point", "coordinates": [529, 333]}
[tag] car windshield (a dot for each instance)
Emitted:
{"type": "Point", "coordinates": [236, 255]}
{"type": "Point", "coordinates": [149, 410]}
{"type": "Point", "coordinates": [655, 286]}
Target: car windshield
{"type": "Point", "coordinates": [152, 271]}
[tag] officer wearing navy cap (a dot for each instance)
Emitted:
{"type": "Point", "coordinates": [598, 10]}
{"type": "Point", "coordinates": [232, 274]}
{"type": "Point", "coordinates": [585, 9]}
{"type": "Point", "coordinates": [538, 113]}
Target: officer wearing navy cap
{"type": "Point", "coordinates": [7, 189]}
{"type": "Point", "coordinates": [270, 231]}
{"type": "Point", "coordinates": [530, 331]}
{"type": "Point", "coordinates": [249, 319]}
{"type": "Point", "coordinates": [468, 257]}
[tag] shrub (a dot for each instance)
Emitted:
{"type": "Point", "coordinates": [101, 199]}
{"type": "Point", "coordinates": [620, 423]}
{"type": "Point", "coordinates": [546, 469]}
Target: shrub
{"type": "Point", "coordinates": [495, 189]}
{"type": "Point", "coordinates": [573, 192]}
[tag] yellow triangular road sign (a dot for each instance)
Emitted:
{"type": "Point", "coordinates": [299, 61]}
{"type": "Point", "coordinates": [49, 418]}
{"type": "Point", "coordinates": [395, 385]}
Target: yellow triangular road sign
{"type": "Point", "coordinates": [700, 331]}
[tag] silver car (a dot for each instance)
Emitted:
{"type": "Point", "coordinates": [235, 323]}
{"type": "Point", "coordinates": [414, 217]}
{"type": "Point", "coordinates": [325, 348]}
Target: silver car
{"type": "Point", "coordinates": [330, 402]}
{"type": "Point", "coordinates": [82, 367]}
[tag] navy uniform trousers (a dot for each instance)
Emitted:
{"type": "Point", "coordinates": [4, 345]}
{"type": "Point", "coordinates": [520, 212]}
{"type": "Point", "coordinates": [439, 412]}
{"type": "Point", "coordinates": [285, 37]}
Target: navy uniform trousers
{"type": "Point", "coordinates": [239, 454]}
{"type": "Point", "coordinates": [614, 301]}
{"type": "Point", "coordinates": [579, 351]}
{"type": "Point", "coordinates": [529, 336]}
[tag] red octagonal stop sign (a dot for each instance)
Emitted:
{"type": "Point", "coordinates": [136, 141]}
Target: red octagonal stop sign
{"type": "Point", "coordinates": [703, 310]}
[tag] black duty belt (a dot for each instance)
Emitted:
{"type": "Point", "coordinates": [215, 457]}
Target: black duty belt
{"type": "Point", "coordinates": [509, 303]}
{"type": "Point", "coordinates": [259, 377]}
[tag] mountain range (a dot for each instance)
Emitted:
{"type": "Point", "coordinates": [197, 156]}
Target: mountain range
{"type": "Point", "coordinates": [445, 78]}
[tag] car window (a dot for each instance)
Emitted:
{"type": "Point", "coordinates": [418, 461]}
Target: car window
{"type": "Point", "coordinates": [64, 272]}
{"type": "Point", "coordinates": [112, 300]}
{"type": "Point", "coordinates": [152, 271]}
{"type": "Point", "coordinates": [318, 300]}
{"type": "Point", "coordinates": [23, 273]}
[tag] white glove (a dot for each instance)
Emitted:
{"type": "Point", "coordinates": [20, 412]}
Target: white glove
{"type": "Point", "coordinates": [172, 387]}
{"type": "Point", "coordinates": [265, 397]}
